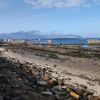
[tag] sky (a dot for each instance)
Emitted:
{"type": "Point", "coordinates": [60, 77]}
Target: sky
{"type": "Point", "coordinates": [80, 17]}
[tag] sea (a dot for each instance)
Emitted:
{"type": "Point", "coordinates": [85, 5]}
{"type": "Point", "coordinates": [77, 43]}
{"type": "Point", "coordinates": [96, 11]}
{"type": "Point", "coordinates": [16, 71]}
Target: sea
{"type": "Point", "coordinates": [62, 41]}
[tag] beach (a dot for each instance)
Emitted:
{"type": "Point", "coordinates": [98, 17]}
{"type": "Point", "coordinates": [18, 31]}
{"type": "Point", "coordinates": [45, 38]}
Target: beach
{"type": "Point", "coordinates": [79, 70]}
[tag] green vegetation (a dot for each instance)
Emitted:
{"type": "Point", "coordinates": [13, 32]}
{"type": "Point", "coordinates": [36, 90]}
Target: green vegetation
{"type": "Point", "coordinates": [52, 55]}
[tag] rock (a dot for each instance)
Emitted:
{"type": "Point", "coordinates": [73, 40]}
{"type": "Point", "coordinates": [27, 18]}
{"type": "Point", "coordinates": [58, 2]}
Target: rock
{"type": "Point", "coordinates": [69, 98]}
{"type": "Point", "coordinates": [62, 96]}
{"type": "Point", "coordinates": [90, 97]}
{"type": "Point", "coordinates": [17, 81]}
{"type": "Point", "coordinates": [4, 66]}
{"type": "Point", "coordinates": [55, 75]}
{"type": "Point", "coordinates": [42, 83]}
{"type": "Point", "coordinates": [95, 98]}
{"type": "Point", "coordinates": [17, 98]}
{"type": "Point", "coordinates": [1, 97]}
{"type": "Point", "coordinates": [3, 79]}
{"type": "Point", "coordinates": [47, 93]}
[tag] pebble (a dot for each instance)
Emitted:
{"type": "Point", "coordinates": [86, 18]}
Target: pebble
{"type": "Point", "coordinates": [38, 80]}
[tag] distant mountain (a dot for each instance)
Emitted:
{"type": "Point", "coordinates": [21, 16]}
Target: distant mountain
{"type": "Point", "coordinates": [35, 35]}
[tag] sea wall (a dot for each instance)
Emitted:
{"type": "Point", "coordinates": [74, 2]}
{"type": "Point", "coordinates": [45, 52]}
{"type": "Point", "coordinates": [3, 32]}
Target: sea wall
{"type": "Point", "coordinates": [93, 42]}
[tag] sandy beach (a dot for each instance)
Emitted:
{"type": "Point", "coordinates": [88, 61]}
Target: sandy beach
{"type": "Point", "coordinates": [79, 70]}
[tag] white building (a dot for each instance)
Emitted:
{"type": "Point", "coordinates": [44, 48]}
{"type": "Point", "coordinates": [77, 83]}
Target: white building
{"type": "Point", "coordinates": [50, 42]}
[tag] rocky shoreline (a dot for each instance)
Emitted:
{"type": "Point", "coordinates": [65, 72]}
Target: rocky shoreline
{"type": "Point", "coordinates": [23, 81]}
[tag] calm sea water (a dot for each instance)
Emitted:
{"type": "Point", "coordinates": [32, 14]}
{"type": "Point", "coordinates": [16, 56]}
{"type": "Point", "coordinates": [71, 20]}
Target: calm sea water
{"type": "Point", "coordinates": [63, 41]}
{"type": "Point", "coordinates": [82, 41]}
{"type": "Point", "coordinates": [70, 41]}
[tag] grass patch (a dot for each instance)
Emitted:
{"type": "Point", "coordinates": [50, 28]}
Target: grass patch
{"type": "Point", "coordinates": [52, 55]}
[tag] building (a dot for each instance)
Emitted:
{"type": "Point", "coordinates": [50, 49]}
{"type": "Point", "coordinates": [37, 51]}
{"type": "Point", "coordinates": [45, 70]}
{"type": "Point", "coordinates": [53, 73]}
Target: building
{"type": "Point", "coordinates": [50, 42]}
{"type": "Point", "coordinates": [15, 41]}
{"type": "Point", "coordinates": [93, 42]}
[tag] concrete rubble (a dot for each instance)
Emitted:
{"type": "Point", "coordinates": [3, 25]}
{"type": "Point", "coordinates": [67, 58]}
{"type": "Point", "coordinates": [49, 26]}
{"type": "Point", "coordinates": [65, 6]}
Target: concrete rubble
{"type": "Point", "coordinates": [27, 82]}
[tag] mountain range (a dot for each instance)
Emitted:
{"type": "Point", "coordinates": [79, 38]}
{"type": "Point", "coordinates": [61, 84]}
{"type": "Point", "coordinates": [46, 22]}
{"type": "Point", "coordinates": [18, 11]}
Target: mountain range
{"type": "Point", "coordinates": [36, 35]}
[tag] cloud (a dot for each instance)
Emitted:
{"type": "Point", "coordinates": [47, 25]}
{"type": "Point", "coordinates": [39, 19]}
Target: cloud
{"type": "Point", "coordinates": [61, 3]}
{"type": "Point", "coordinates": [55, 3]}
{"type": "Point", "coordinates": [72, 3]}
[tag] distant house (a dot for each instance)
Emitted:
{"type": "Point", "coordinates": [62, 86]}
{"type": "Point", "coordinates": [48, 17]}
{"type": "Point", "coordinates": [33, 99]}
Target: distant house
{"type": "Point", "coordinates": [15, 41]}
{"type": "Point", "coordinates": [93, 42]}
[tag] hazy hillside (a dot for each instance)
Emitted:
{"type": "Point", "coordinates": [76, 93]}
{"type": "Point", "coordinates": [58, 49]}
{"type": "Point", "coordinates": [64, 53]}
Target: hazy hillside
{"type": "Point", "coordinates": [35, 35]}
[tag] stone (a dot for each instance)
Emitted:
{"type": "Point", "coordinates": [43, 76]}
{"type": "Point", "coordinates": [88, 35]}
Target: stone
{"type": "Point", "coordinates": [42, 83]}
{"type": "Point", "coordinates": [47, 93]}
{"type": "Point", "coordinates": [1, 97]}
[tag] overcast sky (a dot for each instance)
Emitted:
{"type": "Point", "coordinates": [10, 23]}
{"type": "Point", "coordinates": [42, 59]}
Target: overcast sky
{"type": "Point", "coordinates": [81, 17]}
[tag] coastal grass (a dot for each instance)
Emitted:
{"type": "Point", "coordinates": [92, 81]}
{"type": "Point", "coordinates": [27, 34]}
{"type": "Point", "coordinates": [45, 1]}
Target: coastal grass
{"type": "Point", "coordinates": [53, 55]}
